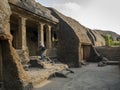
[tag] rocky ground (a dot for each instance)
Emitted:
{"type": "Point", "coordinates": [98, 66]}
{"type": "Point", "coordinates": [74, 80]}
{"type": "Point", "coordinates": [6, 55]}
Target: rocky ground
{"type": "Point", "coordinates": [88, 77]}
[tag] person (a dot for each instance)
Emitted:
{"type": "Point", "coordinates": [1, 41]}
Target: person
{"type": "Point", "coordinates": [42, 50]}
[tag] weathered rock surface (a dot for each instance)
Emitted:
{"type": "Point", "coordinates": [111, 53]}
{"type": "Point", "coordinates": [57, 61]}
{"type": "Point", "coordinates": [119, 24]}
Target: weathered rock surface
{"type": "Point", "coordinates": [97, 39]}
{"type": "Point", "coordinates": [5, 13]}
{"type": "Point", "coordinates": [14, 76]}
{"type": "Point", "coordinates": [84, 34]}
{"type": "Point", "coordinates": [34, 7]}
{"type": "Point", "coordinates": [39, 75]}
{"type": "Point", "coordinates": [78, 29]}
{"type": "Point", "coordinates": [72, 37]}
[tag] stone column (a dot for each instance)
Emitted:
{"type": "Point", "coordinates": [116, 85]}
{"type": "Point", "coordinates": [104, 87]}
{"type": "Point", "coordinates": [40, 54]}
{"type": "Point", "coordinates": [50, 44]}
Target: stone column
{"type": "Point", "coordinates": [40, 34]}
{"type": "Point", "coordinates": [49, 42]}
{"type": "Point", "coordinates": [7, 26]}
{"type": "Point", "coordinates": [22, 42]}
{"type": "Point", "coordinates": [22, 29]}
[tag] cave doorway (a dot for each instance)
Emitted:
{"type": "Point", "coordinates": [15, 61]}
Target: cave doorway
{"type": "Point", "coordinates": [32, 37]}
{"type": "Point", "coordinates": [54, 37]}
{"type": "Point", "coordinates": [15, 31]}
{"type": "Point", "coordinates": [45, 35]}
{"type": "Point", "coordinates": [85, 52]}
{"type": "Point", "coordinates": [4, 61]}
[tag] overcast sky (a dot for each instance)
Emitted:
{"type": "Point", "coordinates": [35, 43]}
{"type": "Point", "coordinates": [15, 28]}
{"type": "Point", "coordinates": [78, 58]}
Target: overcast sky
{"type": "Point", "coordinates": [94, 14]}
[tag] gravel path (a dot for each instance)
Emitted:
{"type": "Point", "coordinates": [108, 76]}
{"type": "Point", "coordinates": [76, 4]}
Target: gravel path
{"type": "Point", "coordinates": [88, 77]}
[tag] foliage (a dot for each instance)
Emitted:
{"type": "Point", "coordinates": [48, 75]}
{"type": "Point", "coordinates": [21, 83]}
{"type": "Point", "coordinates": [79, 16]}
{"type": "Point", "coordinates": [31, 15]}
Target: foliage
{"type": "Point", "coordinates": [116, 43]}
{"type": "Point", "coordinates": [110, 42]}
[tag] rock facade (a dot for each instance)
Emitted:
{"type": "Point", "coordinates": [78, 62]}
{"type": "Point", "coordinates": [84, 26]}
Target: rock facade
{"type": "Point", "coordinates": [75, 40]}
{"type": "Point", "coordinates": [12, 75]}
{"type": "Point", "coordinates": [24, 24]}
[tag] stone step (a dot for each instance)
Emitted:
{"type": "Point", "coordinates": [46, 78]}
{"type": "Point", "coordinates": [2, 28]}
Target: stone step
{"type": "Point", "coordinates": [63, 73]}
{"type": "Point", "coordinates": [40, 64]}
{"type": "Point", "coordinates": [35, 57]}
{"type": "Point", "coordinates": [113, 62]}
{"type": "Point", "coordinates": [114, 55]}
{"type": "Point", "coordinates": [114, 58]}
{"type": "Point", "coordinates": [47, 63]}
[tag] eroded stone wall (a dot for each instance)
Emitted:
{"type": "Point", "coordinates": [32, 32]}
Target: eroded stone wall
{"type": "Point", "coordinates": [112, 53]}
{"type": "Point", "coordinates": [14, 77]}
{"type": "Point", "coordinates": [68, 43]}
{"type": "Point", "coordinates": [76, 40]}
{"type": "Point", "coordinates": [4, 15]}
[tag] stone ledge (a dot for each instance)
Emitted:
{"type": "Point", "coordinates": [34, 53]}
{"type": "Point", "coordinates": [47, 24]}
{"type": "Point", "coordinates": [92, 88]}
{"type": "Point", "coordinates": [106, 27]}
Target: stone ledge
{"type": "Point", "coordinates": [39, 75]}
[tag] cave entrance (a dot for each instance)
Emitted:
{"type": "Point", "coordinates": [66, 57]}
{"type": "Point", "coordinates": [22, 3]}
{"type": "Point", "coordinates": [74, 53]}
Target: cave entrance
{"type": "Point", "coordinates": [85, 52]}
{"type": "Point", "coordinates": [32, 37]}
{"type": "Point", "coordinates": [45, 35]}
{"type": "Point", "coordinates": [54, 37]}
{"type": "Point", "coordinates": [14, 30]}
{"type": "Point", "coordinates": [4, 56]}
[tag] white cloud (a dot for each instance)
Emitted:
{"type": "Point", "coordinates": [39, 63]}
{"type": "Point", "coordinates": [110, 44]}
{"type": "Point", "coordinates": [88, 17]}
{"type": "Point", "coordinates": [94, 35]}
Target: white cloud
{"type": "Point", "coordinates": [102, 15]}
{"type": "Point", "coordinates": [69, 9]}
{"type": "Point", "coordinates": [95, 14]}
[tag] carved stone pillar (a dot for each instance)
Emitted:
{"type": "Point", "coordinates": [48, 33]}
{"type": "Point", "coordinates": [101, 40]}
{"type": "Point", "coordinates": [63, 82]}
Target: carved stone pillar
{"type": "Point", "coordinates": [22, 38]}
{"type": "Point", "coordinates": [40, 34]}
{"type": "Point", "coordinates": [49, 42]}
{"type": "Point", "coordinates": [22, 29]}
{"type": "Point", "coordinates": [7, 26]}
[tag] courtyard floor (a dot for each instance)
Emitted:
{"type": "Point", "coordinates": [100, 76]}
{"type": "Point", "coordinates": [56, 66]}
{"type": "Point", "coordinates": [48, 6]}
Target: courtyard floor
{"type": "Point", "coordinates": [90, 77]}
